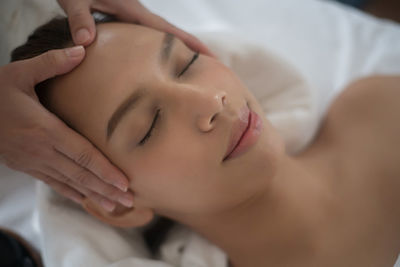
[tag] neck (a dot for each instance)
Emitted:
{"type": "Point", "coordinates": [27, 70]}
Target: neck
{"type": "Point", "coordinates": [280, 226]}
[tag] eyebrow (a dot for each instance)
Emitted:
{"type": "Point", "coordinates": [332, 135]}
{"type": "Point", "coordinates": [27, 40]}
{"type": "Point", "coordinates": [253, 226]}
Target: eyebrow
{"type": "Point", "coordinates": [167, 44]}
{"type": "Point", "coordinates": [137, 96]}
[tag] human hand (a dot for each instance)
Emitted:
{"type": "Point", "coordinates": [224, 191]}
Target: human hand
{"type": "Point", "coordinates": [83, 28]}
{"type": "Point", "coordinates": [35, 141]}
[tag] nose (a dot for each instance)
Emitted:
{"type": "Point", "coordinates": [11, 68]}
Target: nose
{"type": "Point", "coordinates": [210, 105]}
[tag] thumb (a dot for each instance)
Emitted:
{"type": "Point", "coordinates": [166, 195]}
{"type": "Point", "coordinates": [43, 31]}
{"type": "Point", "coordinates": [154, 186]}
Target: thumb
{"type": "Point", "coordinates": [49, 64]}
{"type": "Point", "coordinates": [80, 21]}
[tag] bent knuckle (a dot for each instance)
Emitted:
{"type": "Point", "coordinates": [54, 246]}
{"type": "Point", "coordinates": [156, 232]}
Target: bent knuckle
{"type": "Point", "coordinates": [82, 178]}
{"type": "Point", "coordinates": [85, 157]}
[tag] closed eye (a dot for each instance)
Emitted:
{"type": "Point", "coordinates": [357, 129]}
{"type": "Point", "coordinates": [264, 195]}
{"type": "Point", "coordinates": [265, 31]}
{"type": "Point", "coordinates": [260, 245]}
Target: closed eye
{"type": "Point", "coordinates": [195, 56]}
{"type": "Point", "coordinates": [149, 132]}
{"type": "Point", "coordinates": [156, 117]}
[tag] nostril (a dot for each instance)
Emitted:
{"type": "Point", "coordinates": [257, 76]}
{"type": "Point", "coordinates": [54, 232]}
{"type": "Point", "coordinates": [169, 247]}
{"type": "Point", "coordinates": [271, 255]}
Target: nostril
{"type": "Point", "coordinates": [213, 118]}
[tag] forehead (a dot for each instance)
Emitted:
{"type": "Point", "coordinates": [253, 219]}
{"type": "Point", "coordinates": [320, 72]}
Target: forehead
{"type": "Point", "coordinates": [118, 41]}
{"type": "Point", "coordinates": [121, 58]}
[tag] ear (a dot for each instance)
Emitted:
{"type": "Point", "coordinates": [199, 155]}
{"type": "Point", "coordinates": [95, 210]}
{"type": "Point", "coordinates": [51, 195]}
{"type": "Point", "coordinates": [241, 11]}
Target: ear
{"type": "Point", "coordinates": [121, 216]}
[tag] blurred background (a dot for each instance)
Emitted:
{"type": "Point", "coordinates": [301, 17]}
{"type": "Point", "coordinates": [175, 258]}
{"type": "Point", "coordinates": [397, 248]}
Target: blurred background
{"type": "Point", "coordinates": [389, 9]}
{"type": "Point", "coordinates": [13, 17]}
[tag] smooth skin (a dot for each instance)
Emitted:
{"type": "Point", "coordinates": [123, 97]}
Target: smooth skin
{"type": "Point", "coordinates": [334, 204]}
{"type": "Point", "coordinates": [34, 141]}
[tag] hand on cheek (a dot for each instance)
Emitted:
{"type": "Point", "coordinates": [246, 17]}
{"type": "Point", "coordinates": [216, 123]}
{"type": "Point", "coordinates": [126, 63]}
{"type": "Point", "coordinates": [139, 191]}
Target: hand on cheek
{"type": "Point", "coordinates": [121, 216]}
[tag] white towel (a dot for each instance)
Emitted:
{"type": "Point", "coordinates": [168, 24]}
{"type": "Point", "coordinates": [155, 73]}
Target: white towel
{"type": "Point", "coordinates": [329, 44]}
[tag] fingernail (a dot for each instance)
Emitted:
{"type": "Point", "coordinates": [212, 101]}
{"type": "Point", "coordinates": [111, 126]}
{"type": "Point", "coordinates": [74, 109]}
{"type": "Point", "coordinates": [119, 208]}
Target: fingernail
{"type": "Point", "coordinates": [126, 200]}
{"type": "Point", "coordinates": [107, 205]}
{"type": "Point", "coordinates": [74, 51]}
{"type": "Point", "coordinates": [121, 185]}
{"type": "Point", "coordinates": [82, 35]}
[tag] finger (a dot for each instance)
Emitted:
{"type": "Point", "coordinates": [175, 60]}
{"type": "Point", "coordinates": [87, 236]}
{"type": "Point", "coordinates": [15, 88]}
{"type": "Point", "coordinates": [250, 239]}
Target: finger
{"type": "Point", "coordinates": [60, 188]}
{"type": "Point", "coordinates": [47, 65]}
{"type": "Point", "coordinates": [97, 198]}
{"type": "Point", "coordinates": [192, 42]}
{"type": "Point", "coordinates": [81, 151]}
{"type": "Point", "coordinates": [160, 23]}
{"type": "Point", "coordinates": [137, 13]}
{"type": "Point", "coordinates": [80, 20]}
{"type": "Point", "coordinates": [72, 173]}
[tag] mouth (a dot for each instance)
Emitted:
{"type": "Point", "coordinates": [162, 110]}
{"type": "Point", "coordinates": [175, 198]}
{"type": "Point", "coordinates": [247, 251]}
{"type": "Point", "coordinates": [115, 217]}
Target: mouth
{"type": "Point", "coordinates": [245, 133]}
{"type": "Point", "coordinates": [239, 128]}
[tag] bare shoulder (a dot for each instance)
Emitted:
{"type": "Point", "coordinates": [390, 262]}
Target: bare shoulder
{"type": "Point", "coordinates": [365, 122]}
{"type": "Point", "coordinates": [368, 106]}
{"type": "Point", "coordinates": [373, 97]}
{"type": "Point", "coordinates": [363, 126]}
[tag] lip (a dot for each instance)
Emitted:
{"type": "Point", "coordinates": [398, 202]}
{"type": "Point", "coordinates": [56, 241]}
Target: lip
{"type": "Point", "coordinates": [245, 133]}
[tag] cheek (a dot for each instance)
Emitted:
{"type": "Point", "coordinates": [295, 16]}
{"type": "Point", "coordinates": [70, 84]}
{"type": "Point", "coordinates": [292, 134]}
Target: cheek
{"type": "Point", "coordinates": [164, 173]}
{"type": "Point", "coordinates": [178, 180]}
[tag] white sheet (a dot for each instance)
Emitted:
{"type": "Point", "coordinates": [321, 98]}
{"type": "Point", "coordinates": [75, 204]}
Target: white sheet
{"type": "Point", "coordinates": [329, 44]}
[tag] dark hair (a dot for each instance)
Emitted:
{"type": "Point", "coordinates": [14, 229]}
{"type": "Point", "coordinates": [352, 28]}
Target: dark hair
{"type": "Point", "coordinates": [55, 34]}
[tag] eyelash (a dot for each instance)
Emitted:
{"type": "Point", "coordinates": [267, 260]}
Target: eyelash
{"type": "Point", "coordinates": [155, 120]}
{"type": "Point", "coordinates": [144, 140]}
{"type": "Point", "coordinates": [195, 56]}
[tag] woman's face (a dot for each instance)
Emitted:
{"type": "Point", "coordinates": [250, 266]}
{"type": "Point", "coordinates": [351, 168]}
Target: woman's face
{"type": "Point", "coordinates": [179, 169]}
